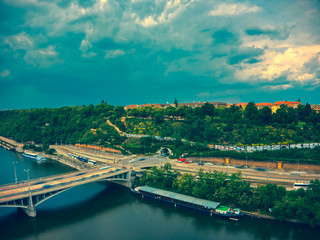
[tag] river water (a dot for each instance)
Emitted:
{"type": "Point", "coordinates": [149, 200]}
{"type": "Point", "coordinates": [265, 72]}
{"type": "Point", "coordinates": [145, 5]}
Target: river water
{"type": "Point", "coordinates": [108, 211]}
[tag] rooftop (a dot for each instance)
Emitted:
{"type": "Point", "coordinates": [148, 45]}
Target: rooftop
{"type": "Point", "coordinates": [181, 197]}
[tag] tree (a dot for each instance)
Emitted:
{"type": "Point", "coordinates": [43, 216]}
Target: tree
{"type": "Point", "coordinates": [269, 194]}
{"type": "Point", "coordinates": [208, 109]}
{"type": "Point", "coordinates": [175, 102]}
{"type": "Point", "coordinates": [265, 115]}
{"type": "Point", "coordinates": [251, 112]}
{"type": "Point", "coordinates": [307, 110]}
{"type": "Point", "coordinates": [282, 116]}
{"type": "Point", "coordinates": [119, 111]}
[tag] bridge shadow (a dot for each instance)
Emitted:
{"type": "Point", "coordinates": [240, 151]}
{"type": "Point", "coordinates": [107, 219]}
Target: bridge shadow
{"type": "Point", "coordinates": [106, 200]}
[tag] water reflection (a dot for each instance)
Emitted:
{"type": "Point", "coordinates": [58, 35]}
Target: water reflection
{"type": "Point", "coordinates": [108, 211]}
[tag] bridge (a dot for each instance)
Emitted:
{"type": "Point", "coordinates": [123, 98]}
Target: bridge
{"type": "Point", "coordinates": [7, 145]}
{"type": "Point", "coordinates": [28, 195]}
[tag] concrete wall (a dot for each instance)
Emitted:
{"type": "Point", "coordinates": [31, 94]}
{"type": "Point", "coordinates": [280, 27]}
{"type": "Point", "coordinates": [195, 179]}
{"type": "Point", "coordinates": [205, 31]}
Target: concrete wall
{"type": "Point", "coordinates": [261, 164]}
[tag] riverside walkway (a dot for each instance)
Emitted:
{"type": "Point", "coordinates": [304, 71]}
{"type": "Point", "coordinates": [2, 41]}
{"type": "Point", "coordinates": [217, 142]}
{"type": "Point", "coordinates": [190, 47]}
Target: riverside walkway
{"type": "Point", "coordinates": [29, 194]}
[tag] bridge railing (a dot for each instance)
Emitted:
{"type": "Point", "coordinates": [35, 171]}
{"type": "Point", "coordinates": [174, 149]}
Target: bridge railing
{"type": "Point", "coordinates": [37, 179]}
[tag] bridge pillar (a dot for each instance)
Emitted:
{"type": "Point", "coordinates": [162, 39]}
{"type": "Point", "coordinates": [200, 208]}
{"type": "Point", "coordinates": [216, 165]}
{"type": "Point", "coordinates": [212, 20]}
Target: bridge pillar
{"type": "Point", "coordinates": [30, 210]}
{"type": "Point", "coordinates": [129, 179]}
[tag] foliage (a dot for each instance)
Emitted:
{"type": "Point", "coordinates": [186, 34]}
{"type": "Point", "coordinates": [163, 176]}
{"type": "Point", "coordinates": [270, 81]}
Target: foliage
{"type": "Point", "coordinates": [190, 127]}
{"type": "Point", "coordinates": [231, 190]}
{"type": "Point", "coordinates": [304, 155]}
{"type": "Point", "coordinates": [85, 124]}
{"type": "Point", "coordinates": [227, 125]}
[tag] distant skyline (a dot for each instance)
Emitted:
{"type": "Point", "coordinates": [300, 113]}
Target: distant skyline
{"type": "Point", "coordinates": [57, 53]}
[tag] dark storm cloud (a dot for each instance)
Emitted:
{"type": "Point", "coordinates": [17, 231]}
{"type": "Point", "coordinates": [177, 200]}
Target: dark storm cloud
{"type": "Point", "coordinates": [271, 33]}
{"type": "Point", "coordinates": [224, 36]}
{"type": "Point", "coordinates": [138, 51]}
{"type": "Point", "coordinates": [249, 55]}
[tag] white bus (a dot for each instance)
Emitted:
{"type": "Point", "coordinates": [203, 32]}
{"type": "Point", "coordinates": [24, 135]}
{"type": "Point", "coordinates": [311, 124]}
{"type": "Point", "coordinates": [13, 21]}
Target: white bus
{"type": "Point", "coordinates": [92, 162]}
{"type": "Point", "coordinates": [300, 185]}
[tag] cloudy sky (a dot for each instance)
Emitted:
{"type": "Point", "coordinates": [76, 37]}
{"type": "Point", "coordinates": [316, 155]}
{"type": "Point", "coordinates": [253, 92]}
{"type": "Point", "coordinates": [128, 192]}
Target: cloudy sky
{"type": "Point", "coordinates": [73, 52]}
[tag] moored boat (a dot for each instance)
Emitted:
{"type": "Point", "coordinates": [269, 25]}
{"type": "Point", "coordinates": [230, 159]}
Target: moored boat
{"type": "Point", "coordinates": [181, 200]}
{"type": "Point", "coordinates": [34, 156]}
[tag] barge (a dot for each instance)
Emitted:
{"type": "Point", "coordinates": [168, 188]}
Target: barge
{"type": "Point", "coordinates": [181, 200]}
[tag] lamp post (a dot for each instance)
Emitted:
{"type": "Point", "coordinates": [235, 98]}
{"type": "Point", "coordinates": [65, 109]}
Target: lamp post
{"type": "Point", "coordinates": [27, 171]}
{"type": "Point", "coordinates": [15, 172]}
{"type": "Point", "coordinates": [298, 171]}
{"type": "Point", "coordinates": [246, 165]}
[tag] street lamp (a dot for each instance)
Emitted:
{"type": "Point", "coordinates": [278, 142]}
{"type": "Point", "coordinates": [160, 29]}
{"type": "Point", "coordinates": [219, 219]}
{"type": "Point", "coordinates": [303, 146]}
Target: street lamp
{"type": "Point", "coordinates": [298, 171]}
{"type": "Point", "coordinates": [27, 171]}
{"type": "Point", "coordinates": [15, 172]}
{"type": "Point", "coordinates": [28, 179]}
{"type": "Point", "coordinates": [246, 165]}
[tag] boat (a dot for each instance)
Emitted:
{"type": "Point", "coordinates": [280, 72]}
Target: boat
{"type": "Point", "coordinates": [181, 200]}
{"type": "Point", "coordinates": [34, 156]}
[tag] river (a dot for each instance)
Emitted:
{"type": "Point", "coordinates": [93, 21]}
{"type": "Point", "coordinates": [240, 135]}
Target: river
{"type": "Point", "coordinates": [108, 211]}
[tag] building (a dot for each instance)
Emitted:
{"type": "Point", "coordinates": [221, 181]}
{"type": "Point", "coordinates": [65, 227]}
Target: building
{"type": "Point", "coordinates": [219, 104]}
{"type": "Point", "coordinates": [192, 105]}
{"type": "Point", "coordinates": [131, 106]}
{"type": "Point", "coordinates": [262, 105]}
{"type": "Point", "coordinates": [277, 105]}
{"type": "Point", "coordinates": [289, 104]}
{"type": "Point", "coordinates": [315, 107]}
{"type": "Point", "coordinates": [274, 106]}
{"type": "Point", "coordinates": [158, 105]}
{"type": "Point", "coordinates": [242, 105]}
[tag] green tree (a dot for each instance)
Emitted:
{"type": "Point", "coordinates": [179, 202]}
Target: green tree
{"type": "Point", "coordinates": [208, 109]}
{"type": "Point", "coordinates": [251, 112]}
{"type": "Point", "coordinates": [265, 115]}
{"type": "Point", "coordinates": [175, 102]}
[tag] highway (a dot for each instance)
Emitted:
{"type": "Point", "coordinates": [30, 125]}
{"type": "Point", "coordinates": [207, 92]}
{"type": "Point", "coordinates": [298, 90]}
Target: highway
{"type": "Point", "coordinates": [253, 175]}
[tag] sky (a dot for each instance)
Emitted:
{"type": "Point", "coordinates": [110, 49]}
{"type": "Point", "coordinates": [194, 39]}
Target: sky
{"type": "Point", "coordinates": [57, 53]}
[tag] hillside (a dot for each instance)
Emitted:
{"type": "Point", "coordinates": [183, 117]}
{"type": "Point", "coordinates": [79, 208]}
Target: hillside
{"type": "Point", "coordinates": [197, 126]}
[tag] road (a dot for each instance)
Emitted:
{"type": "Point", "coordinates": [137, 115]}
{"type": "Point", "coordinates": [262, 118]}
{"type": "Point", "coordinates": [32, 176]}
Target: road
{"type": "Point", "coordinates": [58, 182]}
{"type": "Point", "coordinates": [254, 175]}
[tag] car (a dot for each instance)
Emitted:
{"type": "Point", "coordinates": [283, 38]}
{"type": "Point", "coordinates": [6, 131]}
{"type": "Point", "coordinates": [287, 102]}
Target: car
{"type": "Point", "coordinates": [201, 163]}
{"type": "Point", "coordinates": [47, 186]}
{"type": "Point", "coordinates": [187, 162]}
{"type": "Point", "coordinates": [105, 167]}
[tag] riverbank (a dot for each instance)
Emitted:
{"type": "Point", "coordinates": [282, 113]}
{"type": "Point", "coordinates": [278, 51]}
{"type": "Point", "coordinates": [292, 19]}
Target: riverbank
{"type": "Point", "coordinates": [60, 158]}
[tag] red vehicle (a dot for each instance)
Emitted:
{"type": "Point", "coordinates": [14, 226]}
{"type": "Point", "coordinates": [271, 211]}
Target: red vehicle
{"type": "Point", "coordinates": [182, 159]}
{"type": "Point", "coordinates": [187, 162]}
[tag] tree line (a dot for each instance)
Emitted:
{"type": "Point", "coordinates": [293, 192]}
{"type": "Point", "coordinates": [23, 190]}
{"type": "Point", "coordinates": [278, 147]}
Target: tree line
{"type": "Point", "coordinates": [232, 125]}
{"type": "Point", "coordinates": [202, 125]}
{"type": "Point", "coordinates": [230, 190]}
{"type": "Point", "coordinates": [65, 125]}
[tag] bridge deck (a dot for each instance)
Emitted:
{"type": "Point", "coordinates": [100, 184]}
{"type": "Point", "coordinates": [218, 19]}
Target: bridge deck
{"type": "Point", "coordinates": [57, 183]}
